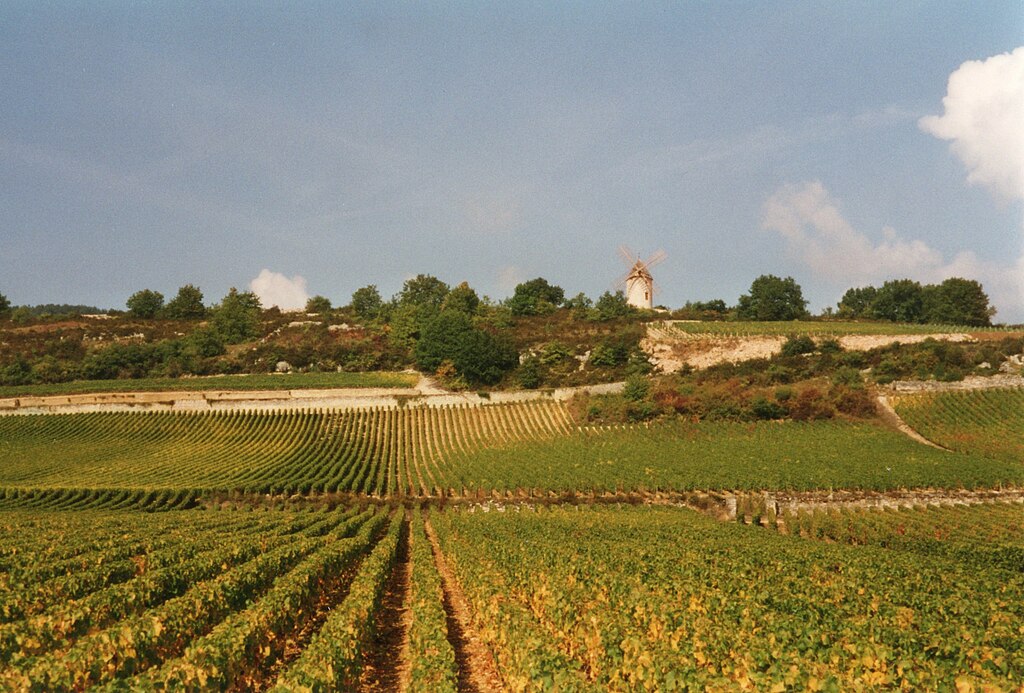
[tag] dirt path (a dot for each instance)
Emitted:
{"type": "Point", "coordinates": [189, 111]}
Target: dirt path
{"type": "Point", "coordinates": [388, 666]}
{"type": "Point", "coordinates": [477, 670]}
{"type": "Point", "coordinates": [888, 415]}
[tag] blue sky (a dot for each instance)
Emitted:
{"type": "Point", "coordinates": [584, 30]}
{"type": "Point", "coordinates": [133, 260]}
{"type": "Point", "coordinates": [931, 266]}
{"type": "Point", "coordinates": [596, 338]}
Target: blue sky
{"type": "Point", "coordinates": [329, 146]}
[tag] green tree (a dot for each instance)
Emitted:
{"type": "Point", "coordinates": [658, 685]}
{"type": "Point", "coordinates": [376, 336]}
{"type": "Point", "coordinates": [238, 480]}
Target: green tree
{"type": "Point", "coordinates": [463, 299]}
{"type": "Point", "coordinates": [579, 304]}
{"type": "Point", "coordinates": [900, 300]}
{"type": "Point", "coordinates": [772, 298]}
{"type": "Point", "coordinates": [477, 355]}
{"type": "Point", "coordinates": [536, 297]}
{"type": "Point", "coordinates": [958, 301]}
{"type": "Point", "coordinates": [856, 303]}
{"type": "Point", "coordinates": [423, 291]}
{"type": "Point", "coordinates": [237, 318]}
{"type": "Point", "coordinates": [366, 302]}
{"type": "Point", "coordinates": [5, 306]}
{"type": "Point", "coordinates": [145, 303]}
{"type": "Point", "coordinates": [318, 304]}
{"type": "Point", "coordinates": [610, 306]}
{"type": "Point", "coordinates": [186, 305]}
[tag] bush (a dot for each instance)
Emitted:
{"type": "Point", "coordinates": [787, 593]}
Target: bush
{"type": "Point", "coordinates": [798, 344]}
{"type": "Point", "coordinates": [853, 401]}
{"type": "Point", "coordinates": [530, 373]}
{"type": "Point", "coordinates": [830, 346]}
{"type": "Point", "coordinates": [850, 377]}
{"type": "Point", "coordinates": [636, 388]}
{"type": "Point", "coordinates": [811, 404]}
{"type": "Point", "coordinates": [762, 408]}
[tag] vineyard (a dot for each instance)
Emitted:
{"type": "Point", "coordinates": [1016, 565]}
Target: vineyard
{"type": "Point", "coordinates": [168, 460]}
{"type": "Point", "coordinates": [987, 535]}
{"type": "Point", "coordinates": [250, 382]}
{"type": "Point", "coordinates": [478, 548]}
{"type": "Point", "coordinates": [574, 598]}
{"type": "Point", "coordinates": [989, 422]}
{"type": "Point", "coordinates": [371, 452]}
{"type": "Point", "coordinates": [662, 599]}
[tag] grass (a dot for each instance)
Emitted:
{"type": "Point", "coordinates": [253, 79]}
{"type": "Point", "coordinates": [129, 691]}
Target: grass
{"type": "Point", "coordinates": [827, 328]}
{"type": "Point", "coordinates": [283, 381]}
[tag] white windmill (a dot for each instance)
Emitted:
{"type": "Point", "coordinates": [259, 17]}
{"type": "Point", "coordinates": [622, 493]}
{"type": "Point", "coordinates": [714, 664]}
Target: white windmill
{"type": "Point", "coordinates": [638, 282]}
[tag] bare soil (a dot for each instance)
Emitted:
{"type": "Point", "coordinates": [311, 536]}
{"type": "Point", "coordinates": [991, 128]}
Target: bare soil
{"type": "Point", "coordinates": [477, 670]}
{"type": "Point", "coordinates": [671, 350]}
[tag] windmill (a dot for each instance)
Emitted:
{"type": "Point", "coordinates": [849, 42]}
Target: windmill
{"type": "Point", "coordinates": [638, 282]}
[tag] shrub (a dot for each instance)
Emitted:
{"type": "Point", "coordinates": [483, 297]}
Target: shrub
{"type": "Point", "coordinates": [853, 401]}
{"type": "Point", "coordinates": [636, 388]}
{"type": "Point", "coordinates": [798, 344]}
{"type": "Point", "coordinates": [847, 376]}
{"type": "Point", "coordinates": [830, 346]}
{"type": "Point", "coordinates": [530, 373]}
{"type": "Point", "coordinates": [762, 408]}
{"type": "Point", "coordinates": [810, 404]}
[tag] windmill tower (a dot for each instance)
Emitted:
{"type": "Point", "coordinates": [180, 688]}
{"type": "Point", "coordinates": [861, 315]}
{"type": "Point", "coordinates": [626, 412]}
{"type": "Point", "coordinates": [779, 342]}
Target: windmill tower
{"type": "Point", "coordinates": [638, 282]}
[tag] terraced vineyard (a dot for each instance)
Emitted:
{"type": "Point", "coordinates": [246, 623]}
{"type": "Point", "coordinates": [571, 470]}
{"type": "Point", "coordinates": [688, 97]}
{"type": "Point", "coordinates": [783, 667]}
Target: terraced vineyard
{"type": "Point", "coordinates": [663, 599]}
{"type": "Point", "coordinates": [989, 422]}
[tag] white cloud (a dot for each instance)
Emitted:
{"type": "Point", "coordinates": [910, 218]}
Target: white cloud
{"type": "Point", "coordinates": [275, 289]}
{"type": "Point", "coordinates": [984, 120]}
{"type": "Point", "coordinates": [816, 232]}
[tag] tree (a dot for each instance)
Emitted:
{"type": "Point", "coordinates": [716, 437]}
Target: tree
{"type": "Point", "coordinates": [5, 306]}
{"type": "Point", "coordinates": [462, 298]}
{"type": "Point", "coordinates": [318, 304]}
{"type": "Point", "coordinates": [856, 303]}
{"type": "Point", "coordinates": [477, 355]}
{"type": "Point", "coordinates": [610, 306]}
{"type": "Point", "coordinates": [900, 300]}
{"type": "Point", "coordinates": [423, 291]}
{"type": "Point", "coordinates": [145, 303]}
{"type": "Point", "coordinates": [772, 298]}
{"type": "Point", "coordinates": [237, 317]}
{"type": "Point", "coordinates": [536, 297]}
{"type": "Point", "coordinates": [579, 304]}
{"type": "Point", "coordinates": [187, 305]}
{"type": "Point", "coordinates": [958, 301]}
{"type": "Point", "coordinates": [366, 302]}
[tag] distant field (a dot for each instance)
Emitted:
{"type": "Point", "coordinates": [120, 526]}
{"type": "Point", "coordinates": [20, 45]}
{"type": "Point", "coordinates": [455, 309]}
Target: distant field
{"type": "Point", "coordinates": [745, 329]}
{"type": "Point", "coordinates": [749, 456]}
{"type": "Point", "coordinates": [524, 448]}
{"type": "Point", "coordinates": [284, 381]}
{"type": "Point", "coordinates": [988, 422]}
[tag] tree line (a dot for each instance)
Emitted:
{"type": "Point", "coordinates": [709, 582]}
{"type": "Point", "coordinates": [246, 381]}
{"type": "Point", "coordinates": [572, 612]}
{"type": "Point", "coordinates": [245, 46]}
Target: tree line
{"type": "Point", "coordinates": [453, 331]}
